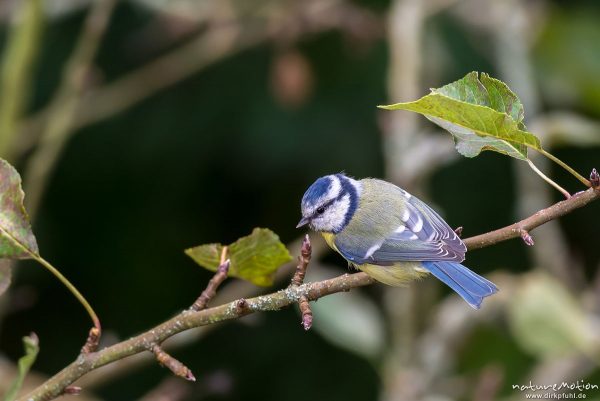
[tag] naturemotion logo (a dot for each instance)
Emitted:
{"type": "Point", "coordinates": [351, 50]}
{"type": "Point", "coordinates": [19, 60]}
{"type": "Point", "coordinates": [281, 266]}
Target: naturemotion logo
{"type": "Point", "coordinates": [563, 390]}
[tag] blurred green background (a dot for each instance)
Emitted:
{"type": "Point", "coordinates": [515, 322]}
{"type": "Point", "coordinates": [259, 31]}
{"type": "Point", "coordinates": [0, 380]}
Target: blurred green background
{"type": "Point", "coordinates": [197, 121]}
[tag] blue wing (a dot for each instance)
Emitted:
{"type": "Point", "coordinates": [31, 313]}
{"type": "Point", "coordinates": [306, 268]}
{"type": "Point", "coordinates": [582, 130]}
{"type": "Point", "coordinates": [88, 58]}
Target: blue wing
{"type": "Point", "coordinates": [420, 235]}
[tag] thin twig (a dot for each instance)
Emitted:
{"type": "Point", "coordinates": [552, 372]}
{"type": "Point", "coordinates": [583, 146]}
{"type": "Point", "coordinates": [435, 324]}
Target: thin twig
{"type": "Point", "coordinates": [275, 301]}
{"type": "Point", "coordinates": [303, 261]}
{"type": "Point", "coordinates": [298, 280]}
{"type": "Point", "coordinates": [178, 368]}
{"type": "Point", "coordinates": [594, 178]}
{"type": "Point", "coordinates": [93, 339]}
{"type": "Point", "coordinates": [306, 311]}
{"type": "Point", "coordinates": [527, 238]}
{"type": "Point", "coordinates": [95, 332]}
{"type": "Point", "coordinates": [214, 283]}
{"type": "Point", "coordinates": [548, 179]}
{"type": "Point", "coordinates": [72, 390]}
{"type": "Point", "coordinates": [565, 166]}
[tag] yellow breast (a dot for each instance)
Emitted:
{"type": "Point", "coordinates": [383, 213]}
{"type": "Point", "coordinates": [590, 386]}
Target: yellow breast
{"type": "Point", "coordinates": [329, 238]}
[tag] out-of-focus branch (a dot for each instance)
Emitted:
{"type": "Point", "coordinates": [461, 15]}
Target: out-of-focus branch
{"type": "Point", "coordinates": [401, 139]}
{"type": "Point", "coordinates": [221, 40]}
{"type": "Point", "coordinates": [275, 301]}
{"type": "Point", "coordinates": [510, 27]}
{"type": "Point", "coordinates": [17, 66]}
{"type": "Point", "coordinates": [63, 107]}
{"type": "Point", "coordinates": [566, 128]}
{"type": "Point", "coordinates": [210, 47]}
{"type": "Point", "coordinates": [405, 28]}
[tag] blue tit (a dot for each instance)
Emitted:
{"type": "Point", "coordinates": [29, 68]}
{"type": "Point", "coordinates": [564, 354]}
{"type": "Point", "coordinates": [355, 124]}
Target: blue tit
{"type": "Point", "coordinates": [389, 234]}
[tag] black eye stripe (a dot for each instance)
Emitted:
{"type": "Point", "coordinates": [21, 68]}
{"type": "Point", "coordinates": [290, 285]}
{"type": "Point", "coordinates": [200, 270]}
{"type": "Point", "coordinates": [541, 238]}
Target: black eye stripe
{"type": "Point", "coordinates": [321, 209]}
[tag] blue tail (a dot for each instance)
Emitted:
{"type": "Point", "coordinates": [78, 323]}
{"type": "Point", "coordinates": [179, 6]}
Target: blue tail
{"type": "Point", "coordinates": [469, 285]}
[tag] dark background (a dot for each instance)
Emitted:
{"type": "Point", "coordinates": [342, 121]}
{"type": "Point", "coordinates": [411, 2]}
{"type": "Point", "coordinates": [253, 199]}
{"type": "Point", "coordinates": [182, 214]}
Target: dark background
{"type": "Point", "coordinates": [232, 148]}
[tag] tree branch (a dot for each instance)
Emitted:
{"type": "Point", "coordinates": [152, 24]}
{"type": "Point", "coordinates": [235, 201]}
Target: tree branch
{"type": "Point", "coordinates": [188, 320]}
{"type": "Point", "coordinates": [543, 216]}
{"type": "Point", "coordinates": [275, 301]}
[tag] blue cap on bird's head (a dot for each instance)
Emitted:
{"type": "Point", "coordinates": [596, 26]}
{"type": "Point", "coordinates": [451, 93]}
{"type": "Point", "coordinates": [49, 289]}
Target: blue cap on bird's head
{"type": "Point", "coordinates": [317, 190]}
{"type": "Point", "coordinates": [329, 203]}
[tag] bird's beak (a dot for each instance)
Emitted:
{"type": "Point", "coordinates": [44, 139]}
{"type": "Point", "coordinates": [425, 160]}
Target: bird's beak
{"type": "Point", "coordinates": [304, 221]}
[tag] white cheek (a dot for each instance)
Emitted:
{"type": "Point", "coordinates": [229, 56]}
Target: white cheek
{"type": "Point", "coordinates": [334, 216]}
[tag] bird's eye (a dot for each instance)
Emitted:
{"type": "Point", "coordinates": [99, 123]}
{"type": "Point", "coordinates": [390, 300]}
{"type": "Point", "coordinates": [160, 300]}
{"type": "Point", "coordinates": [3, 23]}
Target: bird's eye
{"type": "Point", "coordinates": [320, 210]}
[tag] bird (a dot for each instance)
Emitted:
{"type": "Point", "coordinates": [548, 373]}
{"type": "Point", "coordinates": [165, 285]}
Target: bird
{"type": "Point", "coordinates": [389, 234]}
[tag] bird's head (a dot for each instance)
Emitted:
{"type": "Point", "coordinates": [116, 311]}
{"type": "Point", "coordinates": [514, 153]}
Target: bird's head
{"type": "Point", "coordinates": [329, 203]}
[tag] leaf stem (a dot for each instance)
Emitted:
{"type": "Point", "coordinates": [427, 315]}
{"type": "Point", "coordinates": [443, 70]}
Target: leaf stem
{"type": "Point", "coordinates": [33, 254]}
{"type": "Point", "coordinates": [556, 160]}
{"type": "Point", "coordinates": [548, 180]}
{"type": "Point", "coordinates": [69, 286]}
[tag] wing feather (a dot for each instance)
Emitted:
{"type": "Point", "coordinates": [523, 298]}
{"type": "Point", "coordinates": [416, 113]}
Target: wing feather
{"type": "Point", "coordinates": [420, 235]}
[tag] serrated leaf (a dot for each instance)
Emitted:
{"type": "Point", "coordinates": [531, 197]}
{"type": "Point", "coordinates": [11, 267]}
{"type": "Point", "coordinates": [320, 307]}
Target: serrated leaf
{"type": "Point", "coordinates": [5, 275]}
{"type": "Point", "coordinates": [32, 348]}
{"type": "Point", "coordinates": [254, 258]}
{"type": "Point", "coordinates": [481, 114]}
{"type": "Point", "coordinates": [16, 238]}
{"type": "Point", "coordinates": [547, 320]}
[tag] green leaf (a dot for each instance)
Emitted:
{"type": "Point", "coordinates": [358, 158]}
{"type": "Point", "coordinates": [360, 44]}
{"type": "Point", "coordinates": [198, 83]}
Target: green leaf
{"type": "Point", "coordinates": [25, 362]}
{"type": "Point", "coordinates": [5, 275]}
{"type": "Point", "coordinates": [481, 113]}
{"type": "Point", "coordinates": [16, 238]}
{"type": "Point", "coordinates": [254, 258]}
